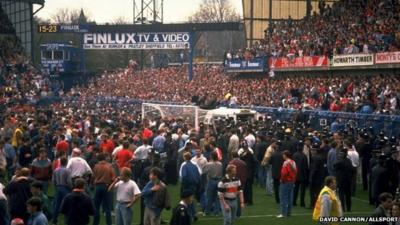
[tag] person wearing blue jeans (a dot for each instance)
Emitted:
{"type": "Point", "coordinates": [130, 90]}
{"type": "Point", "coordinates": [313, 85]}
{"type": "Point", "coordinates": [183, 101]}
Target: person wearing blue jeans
{"type": "Point", "coordinates": [123, 213]}
{"type": "Point", "coordinates": [262, 176]}
{"type": "Point", "coordinates": [61, 192]}
{"type": "Point", "coordinates": [286, 188]}
{"type": "Point", "coordinates": [213, 170]}
{"type": "Point", "coordinates": [63, 185]}
{"type": "Point", "coordinates": [229, 191]}
{"type": "Point", "coordinates": [127, 194]}
{"type": "Point", "coordinates": [286, 197]}
{"type": "Point", "coordinates": [190, 175]}
{"type": "Point", "coordinates": [269, 187]}
{"type": "Point", "coordinates": [213, 206]}
{"type": "Point", "coordinates": [103, 175]}
{"type": "Point", "coordinates": [102, 197]}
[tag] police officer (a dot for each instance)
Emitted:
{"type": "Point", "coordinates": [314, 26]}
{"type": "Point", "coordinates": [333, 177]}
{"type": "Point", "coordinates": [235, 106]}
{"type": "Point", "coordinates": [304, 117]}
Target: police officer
{"type": "Point", "coordinates": [318, 172]}
{"type": "Point", "coordinates": [180, 214]}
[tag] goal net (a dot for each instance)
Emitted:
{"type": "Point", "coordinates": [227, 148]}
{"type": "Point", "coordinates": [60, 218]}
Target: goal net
{"type": "Point", "coordinates": [189, 114]}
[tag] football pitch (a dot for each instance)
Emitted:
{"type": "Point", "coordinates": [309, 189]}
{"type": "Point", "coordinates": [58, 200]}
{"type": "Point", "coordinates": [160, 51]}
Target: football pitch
{"type": "Point", "coordinates": [263, 211]}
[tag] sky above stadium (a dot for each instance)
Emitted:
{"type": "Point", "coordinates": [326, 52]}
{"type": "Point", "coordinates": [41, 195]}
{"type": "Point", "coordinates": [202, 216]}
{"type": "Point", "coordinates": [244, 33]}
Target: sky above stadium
{"type": "Point", "coordinates": [107, 11]}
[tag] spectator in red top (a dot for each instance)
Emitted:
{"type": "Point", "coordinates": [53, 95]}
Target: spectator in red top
{"type": "Point", "coordinates": [125, 156]}
{"type": "Point", "coordinates": [334, 107]}
{"type": "Point", "coordinates": [288, 178]}
{"type": "Point", "coordinates": [107, 145]}
{"type": "Point", "coordinates": [62, 145]}
{"type": "Point", "coordinates": [147, 133]}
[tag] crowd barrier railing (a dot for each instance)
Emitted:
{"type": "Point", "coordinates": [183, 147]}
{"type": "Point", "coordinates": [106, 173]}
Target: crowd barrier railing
{"type": "Point", "coordinates": [317, 119]}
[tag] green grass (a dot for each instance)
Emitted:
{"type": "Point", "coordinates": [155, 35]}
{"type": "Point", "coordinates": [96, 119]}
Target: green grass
{"type": "Point", "coordinates": [262, 212]}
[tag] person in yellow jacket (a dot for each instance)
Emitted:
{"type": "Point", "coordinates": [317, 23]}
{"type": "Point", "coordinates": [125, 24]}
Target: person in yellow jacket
{"type": "Point", "coordinates": [16, 141]}
{"type": "Point", "coordinates": [328, 208]}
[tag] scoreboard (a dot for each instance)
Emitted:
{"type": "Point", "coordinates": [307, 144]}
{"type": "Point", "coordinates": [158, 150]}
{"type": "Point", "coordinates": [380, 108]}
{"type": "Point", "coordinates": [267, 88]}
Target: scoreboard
{"type": "Point", "coordinates": [53, 28]}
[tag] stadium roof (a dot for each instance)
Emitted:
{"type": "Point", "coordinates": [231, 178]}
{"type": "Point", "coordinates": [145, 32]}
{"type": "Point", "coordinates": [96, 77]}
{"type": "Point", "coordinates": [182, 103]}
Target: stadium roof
{"type": "Point", "coordinates": [40, 2]}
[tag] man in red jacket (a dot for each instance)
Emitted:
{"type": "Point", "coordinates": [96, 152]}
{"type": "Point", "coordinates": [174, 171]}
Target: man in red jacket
{"type": "Point", "coordinates": [288, 178]}
{"type": "Point", "coordinates": [62, 145]}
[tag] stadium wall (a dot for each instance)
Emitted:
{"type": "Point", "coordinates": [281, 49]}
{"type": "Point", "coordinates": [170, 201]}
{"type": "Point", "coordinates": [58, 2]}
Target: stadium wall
{"type": "Point", "coordinates": [20, 15]}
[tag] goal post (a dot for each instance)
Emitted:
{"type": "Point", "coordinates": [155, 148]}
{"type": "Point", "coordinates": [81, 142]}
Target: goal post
{"type": "Point", "coordinates": [190, 114]}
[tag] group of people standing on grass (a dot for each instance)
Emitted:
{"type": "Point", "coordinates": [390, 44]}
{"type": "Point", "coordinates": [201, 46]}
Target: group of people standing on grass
{"type": "Point", "coordinates": [88, 159]}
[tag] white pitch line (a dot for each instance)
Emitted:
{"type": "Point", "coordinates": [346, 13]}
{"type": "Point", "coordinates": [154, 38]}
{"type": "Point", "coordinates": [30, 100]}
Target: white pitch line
{"type": "Point", "coordinates": [274, 215]}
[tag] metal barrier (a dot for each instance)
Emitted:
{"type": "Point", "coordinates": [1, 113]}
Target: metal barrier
{"type": "Point", "coordinates": [317, 119]}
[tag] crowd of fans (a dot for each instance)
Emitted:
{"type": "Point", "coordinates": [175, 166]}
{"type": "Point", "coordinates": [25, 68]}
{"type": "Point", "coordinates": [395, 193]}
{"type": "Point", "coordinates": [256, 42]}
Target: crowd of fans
{"type": "Point", "coordinates": [85, 150]}
{"type": "Point", "coordinates": [346, 27]}
{"type": "Point", "coordinates": [210, 87]}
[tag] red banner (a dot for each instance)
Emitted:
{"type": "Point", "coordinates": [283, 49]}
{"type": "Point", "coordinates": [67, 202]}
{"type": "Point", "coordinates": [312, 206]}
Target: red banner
{"type": "Point", "coordinates": [387, 57]}
{"type": "Point", "coordinates": [299, 62]}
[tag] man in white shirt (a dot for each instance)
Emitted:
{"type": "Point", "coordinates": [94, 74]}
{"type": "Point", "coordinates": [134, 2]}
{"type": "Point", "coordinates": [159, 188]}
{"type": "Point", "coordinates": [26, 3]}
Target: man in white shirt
{"type": "Point", "coordinates": [142, 152]}
{"type": "Point", "coordinates": [233, 145]}
{"type": "Point", "coordinates": [128, 193]}
{"type": "Point", "coordinates": [199, 160]}
{"type": "Point", "coordinates": [353, 155]}
{"type": "Point", "coordinates": [77, 165]}
{"type": "Point", "coordinates": [250, 139]}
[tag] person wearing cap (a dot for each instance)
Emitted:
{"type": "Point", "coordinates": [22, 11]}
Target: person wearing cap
{"type": "Point", "coordinates": [379, 180]}
{"type": "Point", "coordinates": [181, 214]}
{"type": "Point", "coordinates": [302, 175]}
{"type": "Point", "coordinates": [318, 172]}
{"type": "Point", "coordinates": [365, 148]}
{"type": "Point", "coordinates": [78, 166]}
{"type": "Point", "coordinates": [229, 191]}
{"type": "Point", "coordinates": [34, 207]}
{"type": "Point", "coordinates": [344, 173]}
{"type": "Point", "coordinates": [77, 206]}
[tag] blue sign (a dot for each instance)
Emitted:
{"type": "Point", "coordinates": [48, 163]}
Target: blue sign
{"type": "Point", "coordinates": [257, 64]}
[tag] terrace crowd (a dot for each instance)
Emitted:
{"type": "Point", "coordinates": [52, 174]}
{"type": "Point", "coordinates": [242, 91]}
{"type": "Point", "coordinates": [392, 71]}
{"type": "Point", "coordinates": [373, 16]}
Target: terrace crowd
{"type": "Point", "coordinates": [210, 87]}
{"type": "Point", "coordinates": [346, 27]}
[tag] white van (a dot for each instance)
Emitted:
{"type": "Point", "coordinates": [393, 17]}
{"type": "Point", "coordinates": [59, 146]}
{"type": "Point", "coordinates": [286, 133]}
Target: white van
{"type": "Point", "coordinates": [238, 115]}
